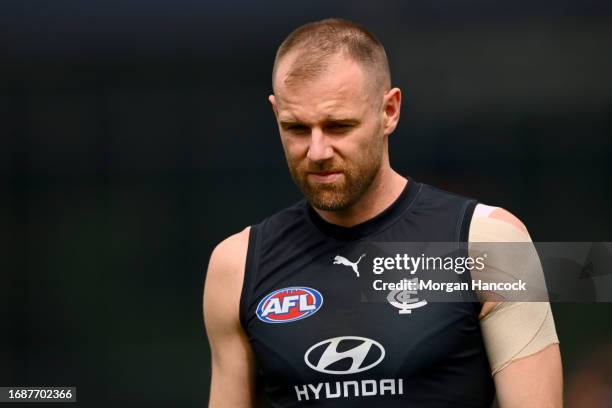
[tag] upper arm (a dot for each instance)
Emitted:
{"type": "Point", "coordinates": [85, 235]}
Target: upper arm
{"type": "Point", "coordinates": [232, 382]}
{"type": "Point", "coordinates": [520, 336]}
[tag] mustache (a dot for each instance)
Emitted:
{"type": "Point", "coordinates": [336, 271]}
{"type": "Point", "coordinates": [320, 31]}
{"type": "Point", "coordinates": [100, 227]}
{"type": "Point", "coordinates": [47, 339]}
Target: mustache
{"type": "Point", "coordinates": [323, 167]}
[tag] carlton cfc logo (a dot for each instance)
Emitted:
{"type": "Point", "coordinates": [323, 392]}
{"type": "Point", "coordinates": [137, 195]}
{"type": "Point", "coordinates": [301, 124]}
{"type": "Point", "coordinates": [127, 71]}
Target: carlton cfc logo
{"type": "Point", "coordinates": [289, 304]}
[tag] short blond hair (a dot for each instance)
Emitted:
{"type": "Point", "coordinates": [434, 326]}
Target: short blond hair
{"type": "Point", "coordinates": [317, 41]}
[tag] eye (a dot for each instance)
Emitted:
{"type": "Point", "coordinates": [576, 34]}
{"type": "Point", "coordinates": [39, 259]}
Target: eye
{"type": "Point", "coordinates": [339, 127]}
{"type": "Point", "coordinates": [296, 129]}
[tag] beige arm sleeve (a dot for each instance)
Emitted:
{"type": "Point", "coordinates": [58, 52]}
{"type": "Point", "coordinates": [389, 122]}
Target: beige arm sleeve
{"type": "Point", "coordinates": [512, 329]}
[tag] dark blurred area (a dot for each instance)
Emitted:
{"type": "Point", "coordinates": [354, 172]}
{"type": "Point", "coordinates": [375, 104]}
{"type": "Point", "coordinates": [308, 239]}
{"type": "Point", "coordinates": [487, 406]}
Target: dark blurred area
{"type": "Point", "coordinates": [137, 134]}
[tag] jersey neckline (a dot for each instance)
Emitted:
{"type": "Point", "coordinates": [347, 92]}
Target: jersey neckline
{"type": "Point", "coordinates": [375, 224]}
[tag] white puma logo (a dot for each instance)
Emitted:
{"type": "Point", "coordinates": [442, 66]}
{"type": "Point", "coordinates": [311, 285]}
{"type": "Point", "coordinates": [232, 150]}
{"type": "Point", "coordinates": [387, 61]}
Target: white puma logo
{"type": "Point", "coordinates": [343, 261]}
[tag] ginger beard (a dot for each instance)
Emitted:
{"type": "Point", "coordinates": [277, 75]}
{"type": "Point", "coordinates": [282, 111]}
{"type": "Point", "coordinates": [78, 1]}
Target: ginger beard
{"type": "Point", "coordinates": [357, 175]}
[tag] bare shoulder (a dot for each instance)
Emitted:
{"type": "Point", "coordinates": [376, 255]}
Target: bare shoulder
{"type": "Point", "coordinates": [230, 254]}
{"type": "Point", "coordinates": [495, 224]}
{"type": "Point", "coordinates": [224, 278]}
{"type": "Point", "coordinates": [483, 211]}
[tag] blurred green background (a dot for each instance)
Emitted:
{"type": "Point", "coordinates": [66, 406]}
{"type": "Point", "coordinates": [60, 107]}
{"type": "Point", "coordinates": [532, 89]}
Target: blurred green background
{"type": "Point", "coordinates": [137, 135]}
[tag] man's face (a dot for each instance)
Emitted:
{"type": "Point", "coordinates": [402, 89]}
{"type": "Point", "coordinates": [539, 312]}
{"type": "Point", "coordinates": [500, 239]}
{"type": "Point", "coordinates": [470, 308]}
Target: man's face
{"type": "Point", "coordinates": [331, 131]}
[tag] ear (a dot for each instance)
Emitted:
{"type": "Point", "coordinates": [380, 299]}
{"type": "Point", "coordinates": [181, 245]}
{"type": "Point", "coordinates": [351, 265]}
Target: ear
{"type": "Point", "coordinates": [392, 102]}
{"type": "Point", "coordinates": [272, 100]}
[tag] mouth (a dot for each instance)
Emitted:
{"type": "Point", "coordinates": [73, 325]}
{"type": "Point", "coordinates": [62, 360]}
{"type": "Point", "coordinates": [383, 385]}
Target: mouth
{"type": "Point", "coordinates": [325, 176]}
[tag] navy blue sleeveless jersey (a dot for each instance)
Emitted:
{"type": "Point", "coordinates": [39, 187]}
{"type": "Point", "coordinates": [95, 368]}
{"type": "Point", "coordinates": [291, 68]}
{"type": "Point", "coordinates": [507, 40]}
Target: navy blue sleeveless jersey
{"type": "Point", "coordinates": [318, 343]}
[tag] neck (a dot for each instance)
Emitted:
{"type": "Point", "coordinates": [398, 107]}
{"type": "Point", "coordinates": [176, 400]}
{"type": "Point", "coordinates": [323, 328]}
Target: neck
{"type": "Point", "coordinates": [385, 189]}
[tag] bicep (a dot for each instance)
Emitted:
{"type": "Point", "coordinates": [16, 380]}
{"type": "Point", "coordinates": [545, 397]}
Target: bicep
{"type": "Point", "coordinates": [232, 382]}
{"type": "Point", "coordinates": [518, 332]}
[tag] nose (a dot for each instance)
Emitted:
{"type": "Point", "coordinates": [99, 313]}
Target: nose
{"type": "Point", "coordinates": [319, 148]}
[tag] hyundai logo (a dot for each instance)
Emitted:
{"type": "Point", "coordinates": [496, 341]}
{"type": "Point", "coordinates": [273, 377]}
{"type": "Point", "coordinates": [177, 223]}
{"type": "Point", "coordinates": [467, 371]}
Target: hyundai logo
{"type": "Point", "coordinates": [358, 354]}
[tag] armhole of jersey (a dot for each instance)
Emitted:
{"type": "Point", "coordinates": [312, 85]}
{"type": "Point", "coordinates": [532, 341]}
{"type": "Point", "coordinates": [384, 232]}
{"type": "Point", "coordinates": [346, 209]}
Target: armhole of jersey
{"type": "Point", "coordinates": [250, 269]}
{"type": "Point", "coordinates": [463, 234]}
{"type": "Point", "coordinates": [465, 219]}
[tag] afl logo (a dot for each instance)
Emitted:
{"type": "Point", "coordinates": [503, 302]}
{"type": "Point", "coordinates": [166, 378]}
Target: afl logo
{"type": "Point", "coordinates": [289, 304]}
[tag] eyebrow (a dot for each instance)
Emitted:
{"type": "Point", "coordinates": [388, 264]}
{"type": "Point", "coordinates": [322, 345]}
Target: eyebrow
{"type": "Point", "coordinates": [345, 121]}
{"type": "Point", "coordinates": [288, 123]}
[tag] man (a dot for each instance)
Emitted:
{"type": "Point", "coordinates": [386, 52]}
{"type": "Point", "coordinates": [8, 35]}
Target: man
{"type": "Point", "coordinates": [283, 304]}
